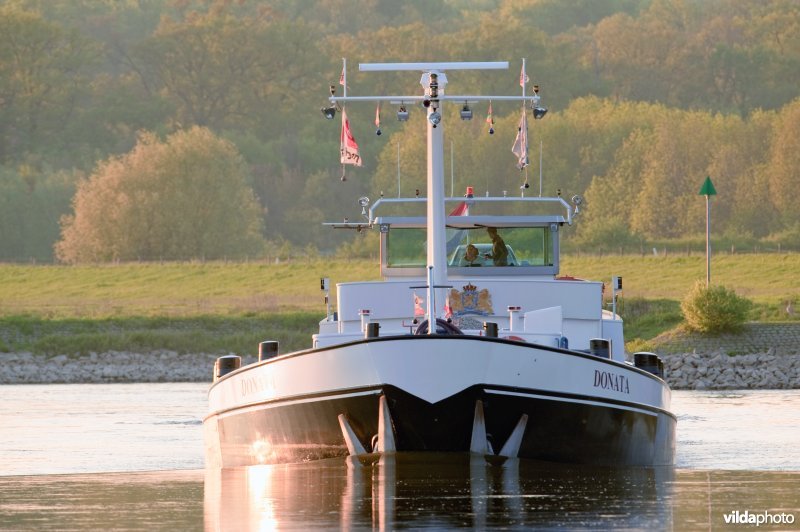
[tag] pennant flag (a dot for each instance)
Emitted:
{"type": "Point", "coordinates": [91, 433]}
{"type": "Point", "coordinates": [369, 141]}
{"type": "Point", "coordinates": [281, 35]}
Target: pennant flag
{"type": "Point", "coordinates": [418, 310]}
{"type": "Point", "coordinates": [348, 146]}
{"type": "Point", "coordinates": [462, 209]}
{"type": "Point", "coordinates": [378, 119]}
{"type": "Point", "coordinates": [448, 310]}
{"type": "Point", "coordinates": [490, 119]}
{"type": "Point", "coordinates": [523, 77]}
{"type": "Point", "coordinates": [341, 77]}
{"type": "Point", "coordinates": [456, 236]}
{"type": "Point", "coordinates": [520, 147]}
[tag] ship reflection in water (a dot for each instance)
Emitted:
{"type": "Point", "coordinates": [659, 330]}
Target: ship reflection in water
{"type": "Point", "coordinates": [401, 491]}
{"type": "Point", "coordinates": [454, 491]}
{"type": "Point", "coordinates": [435, 490]}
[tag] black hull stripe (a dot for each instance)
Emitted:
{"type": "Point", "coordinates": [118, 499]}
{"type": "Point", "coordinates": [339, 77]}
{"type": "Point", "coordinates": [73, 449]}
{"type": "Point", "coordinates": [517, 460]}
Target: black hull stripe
{"type": "Point", "coordinates": [306, 397]}
{"type": "Point", "coordinates": [280, 403]}
{"type": "Point", "coordinates": [583, 398]}
{"type": "Point", "coordinates": [568, 400]}
{"type": "Point", "coordinates": [504, 390]}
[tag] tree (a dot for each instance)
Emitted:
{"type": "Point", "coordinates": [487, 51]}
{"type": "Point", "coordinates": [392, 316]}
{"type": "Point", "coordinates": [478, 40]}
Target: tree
{"type": "Point", "coordinates": [225, 72]}
{"type": "Point", "coordinates": [608, 209]}
{"type": "Point", "coordinates": [31, 202]}
{"type": "Point", "coordinates": [784, 163]}
{"type": "Point", "coordinates": [180, 199]}
{"type": "Point", "coordinates": [42, 74]}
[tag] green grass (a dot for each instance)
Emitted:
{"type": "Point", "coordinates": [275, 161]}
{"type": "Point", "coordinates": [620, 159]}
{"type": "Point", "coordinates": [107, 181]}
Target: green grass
{"type": "Point", "coordinates": [230, 307]}
{"type": "Point", "coordinates": [170, 289]}
{"type": "Point", "coordinates": [767, 278]}
{"type": "Point", "coordinates": [647, 318]}
{"type": "Point", "coordinates": [199, 334]}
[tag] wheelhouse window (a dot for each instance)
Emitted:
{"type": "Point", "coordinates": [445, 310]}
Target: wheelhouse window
{"type": "Point", "coordinates": [405, 248]}
{"type": "Point", "coordinates": [503, 246]}
{"type": "Point", "coordinates": [473, 247]}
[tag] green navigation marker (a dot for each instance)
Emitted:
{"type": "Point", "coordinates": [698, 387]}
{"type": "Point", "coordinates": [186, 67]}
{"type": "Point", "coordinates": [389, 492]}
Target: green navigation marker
{"type": "Point", "coordinates": [708, 188]}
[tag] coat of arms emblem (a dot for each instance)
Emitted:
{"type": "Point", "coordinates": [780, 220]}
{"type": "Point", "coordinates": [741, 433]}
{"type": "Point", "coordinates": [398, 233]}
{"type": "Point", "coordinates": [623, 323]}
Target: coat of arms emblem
{"type": "Point", "coordinates": [471, 301]}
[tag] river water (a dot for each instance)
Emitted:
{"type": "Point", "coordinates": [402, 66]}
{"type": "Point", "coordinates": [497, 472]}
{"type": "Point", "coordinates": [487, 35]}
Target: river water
{"type": "Point", "coordinates": [130, 456]}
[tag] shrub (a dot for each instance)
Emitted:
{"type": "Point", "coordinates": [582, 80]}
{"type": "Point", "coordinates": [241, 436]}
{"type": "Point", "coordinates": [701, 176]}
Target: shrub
{"type": "Point", "coordinates": [638, 345]}
{"type": "Point", "coordinates": [184, 198]}
{"type": "Point", "coordinates": [714, 309]}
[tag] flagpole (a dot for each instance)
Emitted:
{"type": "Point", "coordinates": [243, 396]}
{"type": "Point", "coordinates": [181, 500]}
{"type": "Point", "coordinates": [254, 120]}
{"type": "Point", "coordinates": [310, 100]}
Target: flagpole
{"type": "Point", "coordinates": [540, 166]}
{"type": "Point", "coordinates": [522, 188]}
{"type": "Point", "coordinates": [344, 75]}
{"type": "Point", "coordinates": [398, 168]}
{"type": "Point", "coordinates": [452, 178]}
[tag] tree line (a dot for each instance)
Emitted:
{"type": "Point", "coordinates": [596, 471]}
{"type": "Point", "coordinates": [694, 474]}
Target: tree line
{"type": "Point", "coordinates": [645, 98]}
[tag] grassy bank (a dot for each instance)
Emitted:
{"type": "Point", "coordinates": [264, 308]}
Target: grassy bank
{"type": "Point", "coordinates": [197, 334]}
{"type": "Point", "coordinates": [169, 289]}
{"type": "Point", "coordinates": [230, 307]}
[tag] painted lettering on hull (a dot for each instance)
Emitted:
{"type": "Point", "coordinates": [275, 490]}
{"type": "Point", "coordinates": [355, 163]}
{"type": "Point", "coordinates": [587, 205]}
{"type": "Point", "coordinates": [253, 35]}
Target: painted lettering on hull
{"type": "Point", "coordinates": [257, 384]}
{"type": "Point", "coordinates": [607, 380]}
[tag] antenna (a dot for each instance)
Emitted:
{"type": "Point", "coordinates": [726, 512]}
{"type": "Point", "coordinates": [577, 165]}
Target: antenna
{"type": "Point", "coordinates": [430, 67]}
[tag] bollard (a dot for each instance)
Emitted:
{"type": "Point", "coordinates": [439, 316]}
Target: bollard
{"type": "Point", "coordinates": [600, 347]}
{"type": "Point", "coordinates": [372, 330]}
{"type": "Point", "coordinates": [225, 365]}
{"type": "Point", "coordinates": [267, 349]}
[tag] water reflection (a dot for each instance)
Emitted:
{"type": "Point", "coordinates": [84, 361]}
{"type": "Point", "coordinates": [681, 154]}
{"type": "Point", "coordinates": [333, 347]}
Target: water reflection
{"type": "Point", "coordinates": [163, 500]}
{"type": "Point", "coordinates": [436, 490]}
{"type": "Point", "coordinates": [403, 491]}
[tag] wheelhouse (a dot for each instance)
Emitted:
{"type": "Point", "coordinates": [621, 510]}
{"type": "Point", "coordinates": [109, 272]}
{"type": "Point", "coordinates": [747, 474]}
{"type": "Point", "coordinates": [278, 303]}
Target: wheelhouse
{"type": "Point", "coordinates": [476, 227]}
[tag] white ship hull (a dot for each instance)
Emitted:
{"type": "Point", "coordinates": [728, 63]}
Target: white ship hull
{"type": "Point", "coordinates": [443, 393]}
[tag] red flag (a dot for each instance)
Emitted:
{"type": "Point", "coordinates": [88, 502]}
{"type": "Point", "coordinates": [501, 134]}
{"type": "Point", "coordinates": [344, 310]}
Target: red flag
{"type": "Point", "coordinates": [455, 236]}
{"type": "Point", "coordinates": [341, 77]}
{"type": "Point", "coordinates": [348, 146]}
{"type": "Point", "coordinates": [489, 118]}
{"type": "Point", "coordinates": [448, 310]}
{"type": "Point", "coordinates": [418, 310]}
{"type": "Point", "coordinates": [523, 77]}
{"type": "Point", "coordinates": [462, 209]}
{"type": "Point", "coordinates": [378, 116]}
{"type": "Point", "coordinates": [520, 147]}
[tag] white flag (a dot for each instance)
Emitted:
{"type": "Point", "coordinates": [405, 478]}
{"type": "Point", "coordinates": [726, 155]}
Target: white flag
{"type": "Point", "coordinates": [520, 147]}
{"type": "Point", "coordinates": [523, 77]}
{"type": "Point", "coordinates": [348, 146]}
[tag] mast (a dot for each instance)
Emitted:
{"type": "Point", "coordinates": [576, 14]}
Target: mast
{"type": "Point", "coordinates": [433, 81]}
